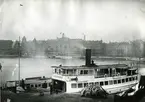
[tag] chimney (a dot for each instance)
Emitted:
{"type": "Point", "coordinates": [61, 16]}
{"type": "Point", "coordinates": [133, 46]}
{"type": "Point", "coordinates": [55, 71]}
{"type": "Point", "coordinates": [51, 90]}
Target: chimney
{"type": "Point", "coordinates": [88, 57]}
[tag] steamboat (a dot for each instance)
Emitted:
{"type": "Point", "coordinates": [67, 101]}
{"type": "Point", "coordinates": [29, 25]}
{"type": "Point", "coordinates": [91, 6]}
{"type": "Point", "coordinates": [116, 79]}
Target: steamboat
{"type": "Point", "coordinates": [113, 78]}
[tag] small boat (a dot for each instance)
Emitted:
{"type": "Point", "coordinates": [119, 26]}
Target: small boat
{"type": "Point", "coordinates": [112, 78]}
{"type": "Point", "coordinates": [63, 57]}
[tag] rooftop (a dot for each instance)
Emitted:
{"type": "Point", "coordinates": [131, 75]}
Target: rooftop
{"type": "Point", "coordinates": [124, 66]}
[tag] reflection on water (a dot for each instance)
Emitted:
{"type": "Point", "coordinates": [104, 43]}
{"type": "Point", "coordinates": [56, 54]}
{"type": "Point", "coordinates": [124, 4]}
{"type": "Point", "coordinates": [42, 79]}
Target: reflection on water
{"type": "Point", "coordinates": [32, 67]}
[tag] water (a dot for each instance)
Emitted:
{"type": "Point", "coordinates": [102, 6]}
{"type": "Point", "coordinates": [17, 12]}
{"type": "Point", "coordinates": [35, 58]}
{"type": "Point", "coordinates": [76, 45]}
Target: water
{"type": "Point", "coordinates": [34, 67]}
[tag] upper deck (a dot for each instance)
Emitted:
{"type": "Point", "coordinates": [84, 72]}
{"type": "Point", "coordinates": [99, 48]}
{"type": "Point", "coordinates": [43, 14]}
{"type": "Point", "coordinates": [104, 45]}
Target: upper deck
{"type": "Point", "coordinates": [91, 70]}
{"type": "Point", "coordinates": [94, 70]}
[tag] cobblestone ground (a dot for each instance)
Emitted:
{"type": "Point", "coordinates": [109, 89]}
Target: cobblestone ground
{"type": "Point", "coordinates": [61, 97]}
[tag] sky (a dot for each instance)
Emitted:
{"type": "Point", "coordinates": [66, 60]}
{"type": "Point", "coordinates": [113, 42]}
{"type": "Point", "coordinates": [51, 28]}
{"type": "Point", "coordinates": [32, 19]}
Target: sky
{"type": "Point", "coordinates": [107, 20]}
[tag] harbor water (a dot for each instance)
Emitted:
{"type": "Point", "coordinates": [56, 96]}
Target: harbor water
{"type": "Point", "coordinates": [39, 67]}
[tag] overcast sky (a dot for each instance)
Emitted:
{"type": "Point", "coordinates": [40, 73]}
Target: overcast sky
{"type": "Point", "coordinates": [116, 20]}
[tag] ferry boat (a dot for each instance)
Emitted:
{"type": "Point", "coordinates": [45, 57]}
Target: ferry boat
{"type": "Point", "coordinates": [113, 78]}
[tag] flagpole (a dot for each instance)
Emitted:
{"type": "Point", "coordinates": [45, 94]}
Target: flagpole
{"type": "Point", "coordinates": [19, 61]}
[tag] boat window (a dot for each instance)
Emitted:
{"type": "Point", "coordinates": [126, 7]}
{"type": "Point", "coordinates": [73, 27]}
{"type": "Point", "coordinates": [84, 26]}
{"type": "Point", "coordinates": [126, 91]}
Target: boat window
{"type": "Point", "coordinates": [130, 79]}
{"type": "Point", "coordinates": [39, 85]}
{"type": "Point", "coordinates": [119, 81]}
{"type": "Point", "coordinates": [63, 71]}
{"type": "Point", "coordinates": [73, 85]}
{"type": "Point", "coordinates": [67, 71]}
{"type": "Point", "coordinates": [126, 79]}
{"type": "Point", "coordinates": [28, 85]}
{"type": "Point", "coordinates": [80, 85]}
{"type": "Point", "coordinates": [111, 82]}
{"type": "Point", "coordinates": [91, 83]}
{"type": "Point", "coordinates": [90, 71]}
{"type": "Point", "coordinates": [32, 85]}
{"type": "Point", "coordinates": [59, 71]}
{"type": "Point", "coordinates": [55, 70]}
{"type": "Point", "coordinates": [35, 85]}
{"type": "Point", "coordinates": [123, 80]}
{"type": "Point", "coordinates": [106, 82]}
{"type": "Point", "coordinates": [136, 77]}
{"type": "Point", "coordinates": [96, 83]}
{"type": "Point", "coordinates": [133, 79]}
{"type": "Point", "coordinates": [81, 72]}
{"type": "Point", "coordinates": [115, 81]}
{"type": "Point", "coordinates": [101, 83]}
{"type": "Point", "coordinates": [85, 71]}
{"type": "Point", "coordinates": [85, 84]}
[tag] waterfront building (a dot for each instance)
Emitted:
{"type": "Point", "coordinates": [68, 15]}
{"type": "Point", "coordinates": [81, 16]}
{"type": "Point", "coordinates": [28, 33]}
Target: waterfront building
{"type": "Point", "coordinates": [65, 46]}
{"type": "Point", "coordinates": [5, 47]}
{"type": "Point", "coordinates": [125, 49]}
{"type": "Point", "coordinates": [137, 48]}
{"type": "Point", "coordinates": [98, 47]}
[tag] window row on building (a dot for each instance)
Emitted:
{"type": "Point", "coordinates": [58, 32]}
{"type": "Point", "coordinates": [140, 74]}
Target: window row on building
{"type": "Point", "coordinates": [101, 83]}
{"type": "Point", "coordinates": [34, 85]}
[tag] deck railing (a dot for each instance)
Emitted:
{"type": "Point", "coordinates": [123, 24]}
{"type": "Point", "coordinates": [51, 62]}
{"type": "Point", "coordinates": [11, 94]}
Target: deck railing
{"type": "Point", "coordinates": [107, 75]}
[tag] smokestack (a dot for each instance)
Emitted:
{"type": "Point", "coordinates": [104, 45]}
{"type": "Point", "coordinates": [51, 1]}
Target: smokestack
{"type": "Point", "coordinates": [88, 57]}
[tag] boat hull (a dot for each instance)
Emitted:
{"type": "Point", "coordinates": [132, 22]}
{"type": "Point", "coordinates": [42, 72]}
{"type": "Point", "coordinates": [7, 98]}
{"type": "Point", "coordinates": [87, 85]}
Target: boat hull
{"type": "Point", "coordinates": [108, 88]}
{"type": "Point", "coordinates": [78, 86]}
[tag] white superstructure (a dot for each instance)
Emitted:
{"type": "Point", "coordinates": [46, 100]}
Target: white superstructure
{"type": "Point", "coordinates": [113, 78]}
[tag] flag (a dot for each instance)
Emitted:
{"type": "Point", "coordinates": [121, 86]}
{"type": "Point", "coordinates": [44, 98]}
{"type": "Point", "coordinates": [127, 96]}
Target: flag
{"type": "Point", "coordinates": [21, 5]}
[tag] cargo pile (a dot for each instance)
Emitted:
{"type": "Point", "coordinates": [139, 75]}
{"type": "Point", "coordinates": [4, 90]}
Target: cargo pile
{"type": "Point", "coordinates": [94, 91]}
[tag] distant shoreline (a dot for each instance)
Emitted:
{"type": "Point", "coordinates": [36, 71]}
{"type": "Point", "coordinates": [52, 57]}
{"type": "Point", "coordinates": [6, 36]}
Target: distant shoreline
{"type": "Point", "coordinates": [8, 56]}
{"type": "Point", "coordinates": [78, 57]}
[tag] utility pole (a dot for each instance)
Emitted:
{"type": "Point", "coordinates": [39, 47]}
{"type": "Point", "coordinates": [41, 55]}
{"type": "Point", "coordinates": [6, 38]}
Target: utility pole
{"type": "Point", "coordinates": [1, 74]}
{"type": "Point", "coordinates": [19, 55]}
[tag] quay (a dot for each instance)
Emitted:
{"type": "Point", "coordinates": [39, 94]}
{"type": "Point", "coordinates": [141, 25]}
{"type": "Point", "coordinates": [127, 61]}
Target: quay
{"type": "Point", "coordinates": [62, 97]}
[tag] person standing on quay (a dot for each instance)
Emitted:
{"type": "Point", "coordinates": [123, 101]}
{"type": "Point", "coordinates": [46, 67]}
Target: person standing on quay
{"type": "Point", "coordinates": [0, 67]}
{"type": "Point", "coordinates": [23, 84]}
{"type": "Point", "coordinates": [51, 88]}
{"type": "Point", "coordinates": [1, 83]}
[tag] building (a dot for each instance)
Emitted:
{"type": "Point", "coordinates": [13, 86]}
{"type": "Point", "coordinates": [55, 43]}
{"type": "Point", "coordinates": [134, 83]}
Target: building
{"type": "Point", "coordinates": [137, 48]}
{"type": "Point", "coordinates": [5, 47]}
{"type": "Point", "coordinates": [65, 46]}
{"type": "Point", "coordinates": [125, 49]}
{"type": "Point", "coordinates": [98, 47]}
{"type": "Point", "coordinates": [62, 46]}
